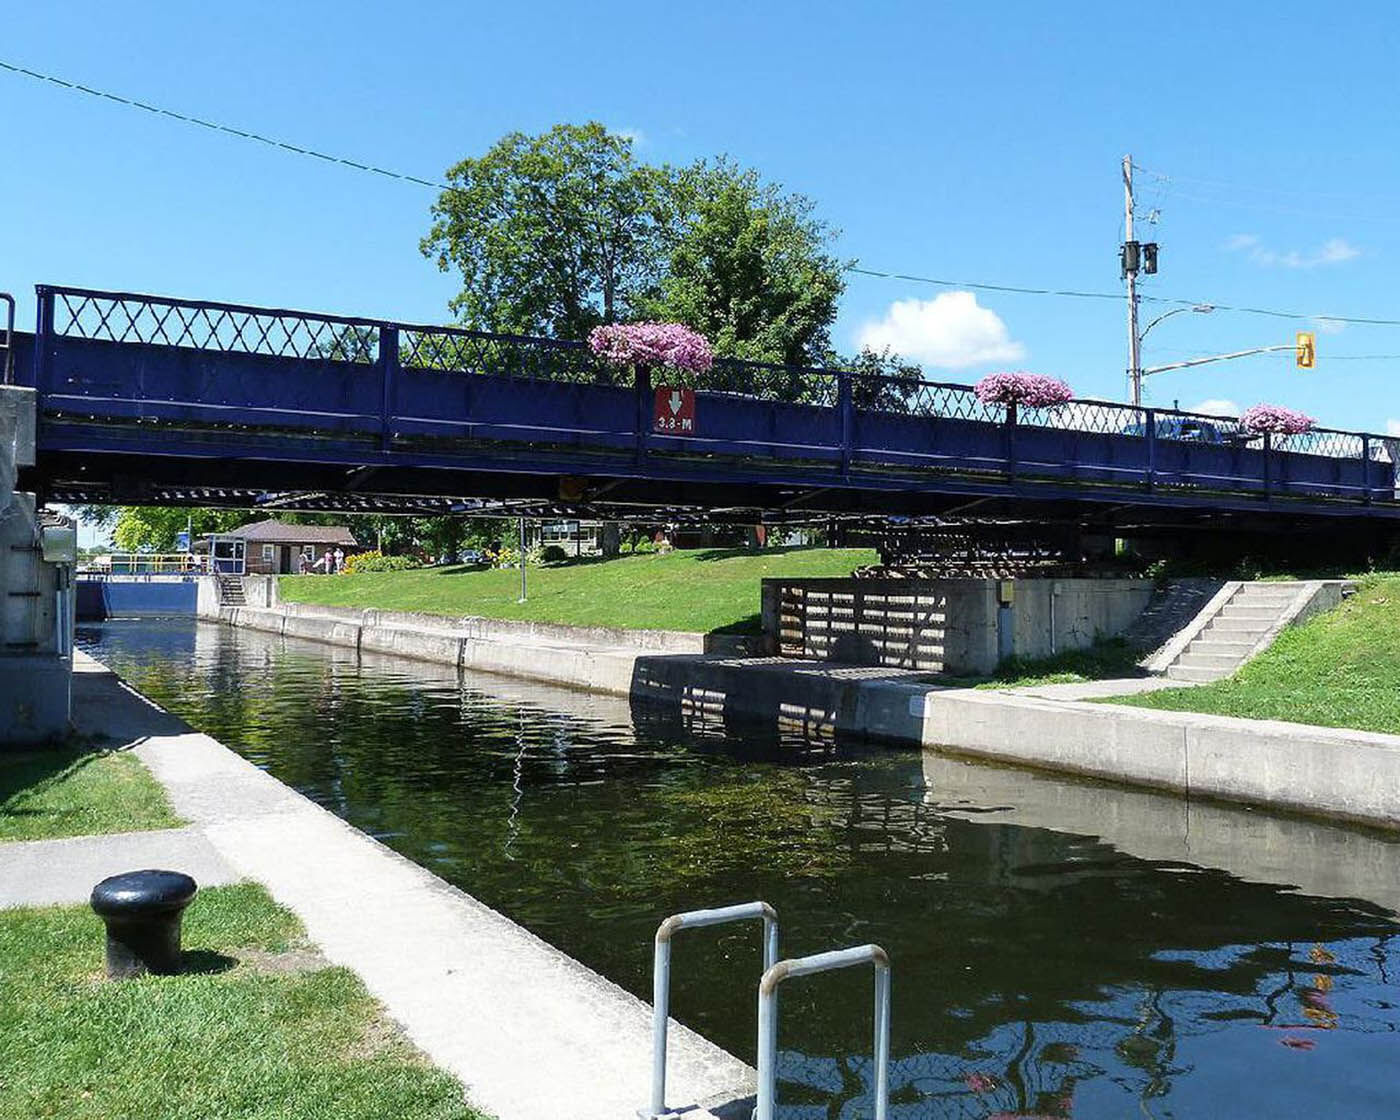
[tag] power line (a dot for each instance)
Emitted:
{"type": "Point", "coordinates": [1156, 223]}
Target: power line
{"type": "Point", "coordinates": [356, 165]}
{"type": "Point", "coordinates": [1299, 316]}
{"type": "Point", "coordinates": [214, 126]}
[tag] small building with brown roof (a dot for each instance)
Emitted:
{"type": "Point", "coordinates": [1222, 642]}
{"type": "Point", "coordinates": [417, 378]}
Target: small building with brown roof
{"type": "Point", "coordinates": [275, 548]}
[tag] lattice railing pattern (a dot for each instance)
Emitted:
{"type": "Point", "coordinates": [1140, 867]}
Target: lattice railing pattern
{"type": "Point", "coordinates": [474, 353]}
{"type": "Point", "coordinates": [119, 317]}
{"type": "Point", "coordinates": [282, 334]}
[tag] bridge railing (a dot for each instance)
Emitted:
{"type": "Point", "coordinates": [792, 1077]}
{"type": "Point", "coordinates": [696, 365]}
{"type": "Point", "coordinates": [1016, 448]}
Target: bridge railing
{"type": "Point", "coordinates": [397, 375]}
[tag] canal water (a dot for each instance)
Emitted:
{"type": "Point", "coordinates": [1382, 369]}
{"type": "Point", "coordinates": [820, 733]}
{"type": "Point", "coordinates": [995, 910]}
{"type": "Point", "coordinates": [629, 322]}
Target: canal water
{"type": "Point", "coordinates": [1059, 948]}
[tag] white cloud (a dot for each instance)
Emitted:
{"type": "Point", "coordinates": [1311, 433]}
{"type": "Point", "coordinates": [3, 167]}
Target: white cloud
{"type": "Point", "coordinates": [1392, 428]}
{"type": "Point", "coordinates": [1217, 406]}
{"type": "Point", "coordinates": [1323, 325]}
{"type": "Point", "coordinates": [636, 135]}
{"type": "Point", "coordinates": [950, 330]}
{"type": "Point", "coordinates": [1335, 250]}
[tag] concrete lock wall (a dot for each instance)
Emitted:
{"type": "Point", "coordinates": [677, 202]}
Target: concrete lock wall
{"type": "Point", "coordinates": [966, 626]}
{"type": "Point", "coordinates": [36, 595]}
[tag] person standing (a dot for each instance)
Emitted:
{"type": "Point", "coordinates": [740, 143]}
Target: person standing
{"type": "Point", "coordinates": [327, 563]}
{"type": "Point", "coordinates": [339, 559]}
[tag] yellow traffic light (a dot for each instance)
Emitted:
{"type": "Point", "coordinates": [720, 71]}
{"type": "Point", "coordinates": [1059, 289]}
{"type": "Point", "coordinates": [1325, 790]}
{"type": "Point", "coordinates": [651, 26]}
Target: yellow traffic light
{"type": "Point", "coordinates": [1307, 350]}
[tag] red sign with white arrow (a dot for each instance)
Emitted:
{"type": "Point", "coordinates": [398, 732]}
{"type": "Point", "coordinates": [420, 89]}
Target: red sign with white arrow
{"type": "Point", "coordinates": [675, 411]}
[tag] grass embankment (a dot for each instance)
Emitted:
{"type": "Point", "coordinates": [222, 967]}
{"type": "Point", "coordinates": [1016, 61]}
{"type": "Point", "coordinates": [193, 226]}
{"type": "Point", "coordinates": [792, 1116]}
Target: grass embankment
{"type": "Point", "coordinates": [1108, 659]}
{"type": "Point", "coordinates": [1339, 669]}
{"type": "Point", "coordinates": [257, 1026]}
{"type": "Point", "coordinates": [68, 792]}
{"type": "Point", "coordinates": [705, 590]}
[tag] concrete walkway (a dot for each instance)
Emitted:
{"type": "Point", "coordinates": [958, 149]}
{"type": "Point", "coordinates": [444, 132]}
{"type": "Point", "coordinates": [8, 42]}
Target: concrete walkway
{"type": "Point", "coordinates": [49, 872]}
{"type": "Point", "coordinates": [533, 1034]}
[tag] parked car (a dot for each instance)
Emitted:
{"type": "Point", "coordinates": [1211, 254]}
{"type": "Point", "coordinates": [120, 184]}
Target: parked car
{"type": "Point", "coordinates": [1191, 429]}
{"type": "Point", "coordinates": [471, 557]}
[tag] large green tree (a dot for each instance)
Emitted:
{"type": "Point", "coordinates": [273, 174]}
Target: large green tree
{"type": "Point", "coordinates": [552, 234]}
{"type": "Point", "coordinates": [556, 233]}
{"type": "Point", "coordinates": [749, 267]}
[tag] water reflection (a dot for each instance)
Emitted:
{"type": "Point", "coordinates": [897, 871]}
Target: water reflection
{"type": "Point", "coordinates": [1060, 948]}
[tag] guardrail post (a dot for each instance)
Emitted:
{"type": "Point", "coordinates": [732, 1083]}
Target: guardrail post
{"type": "Point", "coordinates": [43, 337]}
{"type": "Point", "coordinates": [661, 980]}
{"type": "Point", "coordinates": [389, 369]}
{"type": "Point", "coordinates": [1011, 441]}
{"type": "Point", "coordinates": [646, 403]}
{"type": "Point", "coordinates": [1149, 420]}
{"type": "Point", "coordinates": [845, 404]}
{"type": "Point", "coordinates": [1268, 464]}
{"type": "Point", "coordinates": [1366, 468]}
{"type": "Point", "coordinates": [768, 1021]}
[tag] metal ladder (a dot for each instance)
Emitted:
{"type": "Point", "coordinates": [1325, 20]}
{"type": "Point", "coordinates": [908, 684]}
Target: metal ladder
{"type": "Point", "coordinates": [774, 973]}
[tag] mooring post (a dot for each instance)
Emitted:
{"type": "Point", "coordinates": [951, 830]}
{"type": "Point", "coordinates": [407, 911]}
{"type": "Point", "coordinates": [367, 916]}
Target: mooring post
{"type": "Point", "coordinates": [142, 912]}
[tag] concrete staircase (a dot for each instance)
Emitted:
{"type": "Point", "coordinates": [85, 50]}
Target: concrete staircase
{"type": "Point", "coordinates": [231, 591]}
{"type": "Point", "coordinates": [1241, 621]}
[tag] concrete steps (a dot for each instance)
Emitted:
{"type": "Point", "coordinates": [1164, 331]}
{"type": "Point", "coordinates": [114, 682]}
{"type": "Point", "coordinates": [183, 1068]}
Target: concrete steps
{"type": "Point", "coordinates": [231, 591]}
{"type": "Point", "coordinates": [1235, 627]}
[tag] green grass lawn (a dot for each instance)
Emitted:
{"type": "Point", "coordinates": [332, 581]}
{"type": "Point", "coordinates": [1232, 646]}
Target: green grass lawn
{"type": "Point", "coordinates": [703, 590]}
{"type": "Point", "coordinates": [1339, 669]}
{"type": "Point", "coordinates": [257, 1027]}
{"type": "Point", "coordinates": [68, 792]}
{"type": "Point", "coordinates": [1108, 659]}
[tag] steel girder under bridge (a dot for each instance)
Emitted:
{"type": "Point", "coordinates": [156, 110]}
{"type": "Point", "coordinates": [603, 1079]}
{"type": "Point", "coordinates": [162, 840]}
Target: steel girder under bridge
{"type": "Point", "coordinates": [149, 399]}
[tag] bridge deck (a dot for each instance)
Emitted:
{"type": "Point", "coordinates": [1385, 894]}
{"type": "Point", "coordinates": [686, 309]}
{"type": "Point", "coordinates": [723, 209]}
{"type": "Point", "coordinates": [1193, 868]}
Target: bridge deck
{"type": "Point", "coordinates": [146, 395]}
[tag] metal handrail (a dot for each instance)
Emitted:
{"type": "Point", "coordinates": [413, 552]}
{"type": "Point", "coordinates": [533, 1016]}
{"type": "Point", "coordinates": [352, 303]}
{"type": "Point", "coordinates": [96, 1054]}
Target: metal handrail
{"type": "Point", "coordinates": [661, 979]}
{"type": "Point", "coordinates": [768, 1020]}
{"type": "Point", "coordinates": [9, 346]}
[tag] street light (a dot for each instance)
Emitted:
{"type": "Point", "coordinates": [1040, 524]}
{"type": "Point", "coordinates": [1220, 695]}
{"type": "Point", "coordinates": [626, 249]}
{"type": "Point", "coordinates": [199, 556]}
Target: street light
{"type": "Point", "coordinates": [1199, 308]}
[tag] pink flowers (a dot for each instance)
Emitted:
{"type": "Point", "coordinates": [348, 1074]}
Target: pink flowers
{"type": "Point", "coordinates": [1034, 390]}
{"type": "Point", "coordinates": [1276, 419]}
{"type": "Point", "coordinates": [670, 344]}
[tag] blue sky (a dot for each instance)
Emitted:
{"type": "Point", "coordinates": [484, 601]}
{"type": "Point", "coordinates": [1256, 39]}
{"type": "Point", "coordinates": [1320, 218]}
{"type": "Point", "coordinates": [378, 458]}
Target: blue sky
{"type": "Point", "coordinates": [970, 142]}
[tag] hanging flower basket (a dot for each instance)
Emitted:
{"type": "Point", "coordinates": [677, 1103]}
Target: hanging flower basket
{"type": "Point", "coordinates": [1276, 419]}
{"type": "Point", "coordinates": [648, 344]}
{"type": "Point", "coordinates": [1033, 390]}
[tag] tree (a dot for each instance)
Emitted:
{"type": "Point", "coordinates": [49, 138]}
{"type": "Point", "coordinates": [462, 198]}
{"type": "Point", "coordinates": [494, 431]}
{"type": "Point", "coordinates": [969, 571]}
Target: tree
{"type": "Point", "coordinates": [552, 234]}
{"type": "Point", "coordinates": [748, 267]}
{"type": "Point", "coordinates": [153, 528]}
{"type": "Point", "coordinates": [885, 381]}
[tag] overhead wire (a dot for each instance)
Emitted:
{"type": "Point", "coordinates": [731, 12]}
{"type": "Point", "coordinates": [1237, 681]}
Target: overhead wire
{"type": "Point", "coordinates": [357, 165]}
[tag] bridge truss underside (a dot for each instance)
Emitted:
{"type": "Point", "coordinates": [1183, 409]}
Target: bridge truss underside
{"type": "Point", "coordinates": [509, 489]}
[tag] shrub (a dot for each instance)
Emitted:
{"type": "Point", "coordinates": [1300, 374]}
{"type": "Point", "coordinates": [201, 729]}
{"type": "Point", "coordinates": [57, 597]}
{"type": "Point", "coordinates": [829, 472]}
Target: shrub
{"type": "Point", "coordinates": [375, 561]}
{"type": "Point", "coordinates": [1034, 390]}
{"type": "Point", "coordinates": [553, 554]}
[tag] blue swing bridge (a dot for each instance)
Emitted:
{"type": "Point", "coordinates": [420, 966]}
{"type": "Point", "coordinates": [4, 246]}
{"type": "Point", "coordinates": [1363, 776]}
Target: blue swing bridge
{"type": "Point", "coordinates": [145, 399]}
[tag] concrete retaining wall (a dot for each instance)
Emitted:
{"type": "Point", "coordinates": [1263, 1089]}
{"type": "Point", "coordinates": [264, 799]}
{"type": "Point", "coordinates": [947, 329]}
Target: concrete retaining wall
{"type": "Point", "coordinates": [1339, 774]}
{"type": "Point", "coordinates": [597, 669]}
{"type": "Point", "coordinates": [960, 626]}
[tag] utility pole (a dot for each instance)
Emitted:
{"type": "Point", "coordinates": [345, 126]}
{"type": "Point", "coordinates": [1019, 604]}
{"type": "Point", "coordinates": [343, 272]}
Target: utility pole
{"type": "Point", "coordinates": [522, 561]}
{"type": "Point", "coordinates": [1130, 271]}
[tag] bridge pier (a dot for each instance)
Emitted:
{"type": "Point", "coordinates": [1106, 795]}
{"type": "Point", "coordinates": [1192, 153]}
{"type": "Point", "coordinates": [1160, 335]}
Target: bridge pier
{"type": "Point", "coordinates": [37, 555]}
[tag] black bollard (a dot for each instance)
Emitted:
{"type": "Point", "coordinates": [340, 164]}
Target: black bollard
{"type": "Point", "coordinates": [142, 911]}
